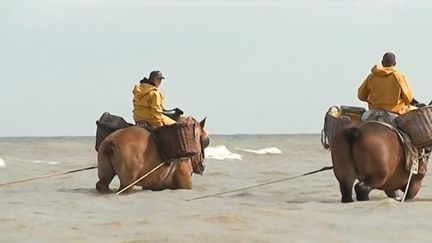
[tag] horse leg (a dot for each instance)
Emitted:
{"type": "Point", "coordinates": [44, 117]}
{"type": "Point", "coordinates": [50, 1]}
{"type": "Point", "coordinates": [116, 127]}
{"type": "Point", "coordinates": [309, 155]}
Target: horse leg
{"type": "Point", "coordinates": [127, 179]}
{"type": "Point", "coordinates": [413, 188]}
{"type": "Point", "coordinates": [343, 166]}
{"type": "Point", "coordinates": [345, 187]}
{"type": "Point", "coordinates": [395, 194]}
{"type": "Point", "coordinates": [105, 173]}
{"type": "Point", "coordinates": [362, 191]}
{"type": "Point", "coordinates": [123, 186]}
{"type": "Point", "coordinates": [182, 184]}
{"type": "Point", "coordinates": [346, 175]}
{"type": "Point", "coordinates": [415, 184]}
{"type": "Point", "coordinates": [182, 178]}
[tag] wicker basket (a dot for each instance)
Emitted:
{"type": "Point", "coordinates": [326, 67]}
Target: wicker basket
{"type": "Point", "coordinates": [178, 140]}
{"type": "Point", "coordinates": [333, 125]}
{"type": "Point", "coordinates": [352, 112]}
{"type": "Point", "coordinates": [418, 125]}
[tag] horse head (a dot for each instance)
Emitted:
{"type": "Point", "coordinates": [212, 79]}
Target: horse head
{"type": "Point", "coordinates": [204, 141]}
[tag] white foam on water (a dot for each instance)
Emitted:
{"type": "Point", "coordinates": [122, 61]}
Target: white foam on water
{"type": "Point", "coordinates": [2, 163]}
{"type": "Point", "coordinates": [221, 152]}
{"type": "Point", "coordinates": [271, 150]}
{"type": "Point", "coordinates": [45, 162]}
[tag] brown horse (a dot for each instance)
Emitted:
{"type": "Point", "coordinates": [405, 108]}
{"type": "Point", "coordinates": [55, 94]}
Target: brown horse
{"type": "Point", "coordinates": [131, 152]}
{"type": "Point", "coordinates": [373, 154]}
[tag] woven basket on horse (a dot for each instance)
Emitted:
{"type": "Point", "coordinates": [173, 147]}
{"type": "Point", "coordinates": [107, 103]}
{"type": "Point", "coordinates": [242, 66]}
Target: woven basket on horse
{"type": "Point", "coordinates": [418, 125]}
{"type": "Point", "coordinates": [178, 140]}
{"type": "Point", "coordinates": [336, 120]}
{"type": "Point", "coordinates": [107, 124]}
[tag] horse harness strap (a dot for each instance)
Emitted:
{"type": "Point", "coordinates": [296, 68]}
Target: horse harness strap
{"type": "Point", "coordinates": [171, 170]}
{"type": "Point", "coordinates": [146, 125]}
{"type": "Point", "coordinates": [411, 152]}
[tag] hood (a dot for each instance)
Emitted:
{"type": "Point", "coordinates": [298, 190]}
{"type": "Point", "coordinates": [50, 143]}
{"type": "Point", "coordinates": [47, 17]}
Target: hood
{"type": "Point", "coordinates": [143, 89]}
{"type": "Point", "coordinates": [383, 71]}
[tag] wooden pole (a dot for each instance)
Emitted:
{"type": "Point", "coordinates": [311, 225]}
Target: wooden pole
{"type": "Point", "coordinates": [139, 179]}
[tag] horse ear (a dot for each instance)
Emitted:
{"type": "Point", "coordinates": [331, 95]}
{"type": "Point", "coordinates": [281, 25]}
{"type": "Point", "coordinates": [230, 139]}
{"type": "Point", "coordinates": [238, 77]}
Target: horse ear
{"type": "Point", "coordinates": [202, 123]}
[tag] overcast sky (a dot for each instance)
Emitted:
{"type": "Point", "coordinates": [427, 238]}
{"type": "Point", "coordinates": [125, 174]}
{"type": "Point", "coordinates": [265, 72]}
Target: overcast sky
{"type": "Point", "coordinates": [262, 66]}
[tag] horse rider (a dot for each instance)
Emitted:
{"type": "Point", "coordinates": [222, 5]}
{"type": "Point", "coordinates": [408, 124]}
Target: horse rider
{"type": "Point", "coordinates": [148, 103]}
{"type": "Point", "coordinates": [386, 88]}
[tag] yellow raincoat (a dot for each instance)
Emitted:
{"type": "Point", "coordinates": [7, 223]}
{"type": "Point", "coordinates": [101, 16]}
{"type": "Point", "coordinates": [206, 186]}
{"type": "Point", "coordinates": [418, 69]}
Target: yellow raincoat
{"type": "Point", "coordinates": [148, 105]}
{"type": "Point", "coordinates": [387, 88]}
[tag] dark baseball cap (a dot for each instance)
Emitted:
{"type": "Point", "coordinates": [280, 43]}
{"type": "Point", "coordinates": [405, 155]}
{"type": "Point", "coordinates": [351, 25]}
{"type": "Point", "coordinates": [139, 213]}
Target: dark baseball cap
{"type": "Point", "coordinates": [156, 74]}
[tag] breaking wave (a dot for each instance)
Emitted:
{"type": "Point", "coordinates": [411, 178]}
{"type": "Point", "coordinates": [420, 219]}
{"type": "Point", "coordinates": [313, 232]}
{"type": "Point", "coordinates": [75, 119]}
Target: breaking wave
{"type": "Point", "coordinates": [50, 162]}
{"type": "Point", "coordinates": [221, 152]}
{"type": "Point", "coordinates": [271, 150]}
{"type": "Point", "coordinates": [45, 162]}
{"type": "Point", "coordinates": [30, 161]}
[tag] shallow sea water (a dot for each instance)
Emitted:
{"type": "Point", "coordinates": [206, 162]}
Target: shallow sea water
{"type": "Point", "coordinates": [307, 209]}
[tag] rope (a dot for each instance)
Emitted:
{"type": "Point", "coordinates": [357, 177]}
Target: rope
{"type": "Point", "coordinates": [415, 164]}
{"type": "Point", "coordinates": [262, 184]}
{"type": "Point", "coordinates": [407, 186]}
{"type": "Point", "coordinates": [139, 179]}
{"type": "Point", "coordinates": [47, 176]}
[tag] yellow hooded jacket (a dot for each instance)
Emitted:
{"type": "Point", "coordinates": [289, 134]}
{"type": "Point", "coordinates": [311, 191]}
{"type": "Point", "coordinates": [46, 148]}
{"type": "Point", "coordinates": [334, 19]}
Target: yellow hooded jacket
{"type": "Point", "coordinates": [148, 105]}
{"type": "Point", "coordinates": [387, 88]}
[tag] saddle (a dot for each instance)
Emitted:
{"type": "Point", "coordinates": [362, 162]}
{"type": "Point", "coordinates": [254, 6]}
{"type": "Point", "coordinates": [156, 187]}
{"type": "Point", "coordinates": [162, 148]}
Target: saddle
{"type": "Point", "coordinates": [146, 125]}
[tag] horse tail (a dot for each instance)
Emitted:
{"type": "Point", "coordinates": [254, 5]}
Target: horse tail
{"type": "Point", "coordinates": [109, 152]}
{"type": "Point", "coordinates": [105, 166]}
{"type": "Point", "coordinates": [108, 149]}
{"type": "Point", "coordinates": [352, 134]}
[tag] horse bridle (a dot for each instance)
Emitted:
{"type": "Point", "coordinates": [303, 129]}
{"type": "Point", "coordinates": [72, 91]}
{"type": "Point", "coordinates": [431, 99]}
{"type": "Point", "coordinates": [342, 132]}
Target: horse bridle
{"type": "Point", "coordinates": [199, 158]}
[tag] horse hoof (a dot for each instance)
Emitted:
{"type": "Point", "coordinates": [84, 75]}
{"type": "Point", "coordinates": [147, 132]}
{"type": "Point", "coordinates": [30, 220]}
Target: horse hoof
{"type": "Point", "coordinates": [362, 198]}
{"type": "Point", "coordinates": [362, 191]}
{"type": "Point", "coordinates": [347, 200]}
{"type": "Point", "coordinates": [102, 188]}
